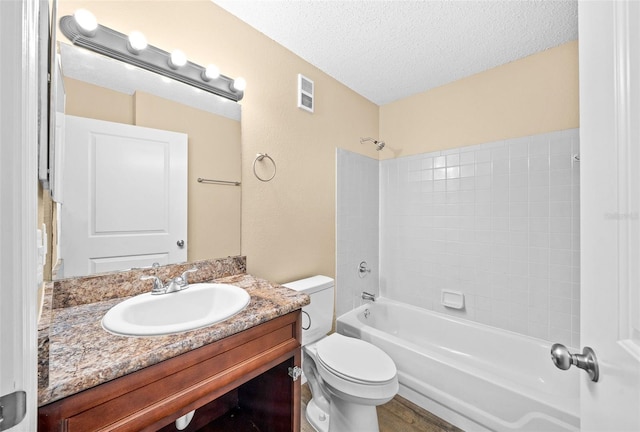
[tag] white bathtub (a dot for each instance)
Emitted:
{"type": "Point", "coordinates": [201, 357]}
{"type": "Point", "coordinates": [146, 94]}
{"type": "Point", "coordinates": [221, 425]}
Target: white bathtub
{"type": "Point", "coordinates": [474, 376]}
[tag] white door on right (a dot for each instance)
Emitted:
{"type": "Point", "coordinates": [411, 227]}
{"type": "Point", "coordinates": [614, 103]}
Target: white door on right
{"type": "Point", "coordinates": [124, 197]}
{"type": "Point", "coordinates": [609, 196]}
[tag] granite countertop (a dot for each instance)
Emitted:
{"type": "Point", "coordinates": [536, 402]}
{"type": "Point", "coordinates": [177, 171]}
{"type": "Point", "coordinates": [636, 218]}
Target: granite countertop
{"type": "Point", "coordinates": [81, 354]}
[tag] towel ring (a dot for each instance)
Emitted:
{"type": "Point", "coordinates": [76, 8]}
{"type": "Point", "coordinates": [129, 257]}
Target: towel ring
{"type": "Point", "coordinates": [259, 157]}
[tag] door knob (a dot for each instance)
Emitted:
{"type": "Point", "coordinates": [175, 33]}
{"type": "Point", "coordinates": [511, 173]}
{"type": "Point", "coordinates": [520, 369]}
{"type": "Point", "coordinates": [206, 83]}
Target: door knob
{"type": "Point", "coordinates": [180, 243]}
{"type": "Point", "coordinates": [563, 359]}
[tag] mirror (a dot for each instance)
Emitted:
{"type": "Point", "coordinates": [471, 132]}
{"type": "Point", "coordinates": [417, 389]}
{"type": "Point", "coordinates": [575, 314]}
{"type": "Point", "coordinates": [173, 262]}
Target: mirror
{"type": "Point", "coordinates": [101, 88]}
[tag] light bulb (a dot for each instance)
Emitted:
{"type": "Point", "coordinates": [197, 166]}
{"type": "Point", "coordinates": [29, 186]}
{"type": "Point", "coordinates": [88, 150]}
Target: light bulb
{"type": "Point", "coordinates": [210, 73]}
{"type": "Point", "coordinates": [86, 21]}
{"type": "Point", "coordinates": [178, 59]}
{"type": "Point", "coordinates": [136, 42]}
{"type": "Point", "coordinates": [239, 84]}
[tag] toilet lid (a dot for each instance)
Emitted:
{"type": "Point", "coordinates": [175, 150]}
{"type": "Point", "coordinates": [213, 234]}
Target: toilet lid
{"type": "Point", "coordinates": [355, 359]}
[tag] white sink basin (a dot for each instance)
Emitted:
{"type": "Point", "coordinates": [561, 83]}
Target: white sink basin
{"type": "Point", "coordinates": [198, 306]}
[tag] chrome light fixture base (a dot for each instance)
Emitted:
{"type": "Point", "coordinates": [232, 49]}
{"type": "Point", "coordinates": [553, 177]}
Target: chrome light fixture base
{"type": "Point", "coordinates": [114, 44]}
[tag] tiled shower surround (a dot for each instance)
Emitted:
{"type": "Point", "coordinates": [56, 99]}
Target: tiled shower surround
{"type": "Point", "coordinates": [498, 222]}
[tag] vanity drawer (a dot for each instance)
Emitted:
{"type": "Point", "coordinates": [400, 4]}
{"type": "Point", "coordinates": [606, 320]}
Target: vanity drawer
{"type": "Point", "coordinates": [155, 396]}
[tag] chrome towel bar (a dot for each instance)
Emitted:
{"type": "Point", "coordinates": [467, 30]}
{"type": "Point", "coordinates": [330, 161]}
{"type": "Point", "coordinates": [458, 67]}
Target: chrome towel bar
{"type": "Point", "coordinates": [219, 182]}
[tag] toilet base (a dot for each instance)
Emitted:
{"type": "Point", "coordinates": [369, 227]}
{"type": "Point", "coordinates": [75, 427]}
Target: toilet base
{"type": "Point", "coordinates": [350, 417]}
{"type": "Point", "coordinates": [317, 418]}
{"type": "Point", "coordinates": [344, 417]}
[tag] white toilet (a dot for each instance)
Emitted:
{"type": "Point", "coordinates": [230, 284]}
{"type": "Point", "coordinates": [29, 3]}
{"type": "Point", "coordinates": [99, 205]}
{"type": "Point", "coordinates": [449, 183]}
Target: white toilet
{"type": "Point", "coordinates": [348, 377]}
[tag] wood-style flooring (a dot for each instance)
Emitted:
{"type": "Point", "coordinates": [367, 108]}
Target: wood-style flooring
{"type": "Point", "coordinates": [398, 415]}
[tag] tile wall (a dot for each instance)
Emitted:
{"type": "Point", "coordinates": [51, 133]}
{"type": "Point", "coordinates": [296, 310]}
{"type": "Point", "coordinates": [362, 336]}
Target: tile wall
{"type": "Point", "coordinates": [498, 222]}
{"type": "Point", "coordinates": [357, 228]}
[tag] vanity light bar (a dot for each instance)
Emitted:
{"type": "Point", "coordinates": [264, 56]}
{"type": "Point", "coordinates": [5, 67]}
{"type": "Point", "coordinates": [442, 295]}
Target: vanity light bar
{"type": "Point", "coordinates": [116, 45]}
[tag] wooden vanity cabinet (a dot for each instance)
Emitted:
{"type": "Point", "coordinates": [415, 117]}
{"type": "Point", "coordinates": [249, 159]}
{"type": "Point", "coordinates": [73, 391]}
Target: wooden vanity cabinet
{"type": "Point", "coordinates": [248, 371]}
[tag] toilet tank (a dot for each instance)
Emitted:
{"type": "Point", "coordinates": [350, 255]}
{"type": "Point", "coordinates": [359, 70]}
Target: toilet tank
{"type": "Point", "coordinates": [317, 317]}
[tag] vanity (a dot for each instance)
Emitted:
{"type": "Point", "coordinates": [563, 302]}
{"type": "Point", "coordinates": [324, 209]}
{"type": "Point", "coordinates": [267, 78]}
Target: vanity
{"type": "Point", "coordinates": [236, 374]}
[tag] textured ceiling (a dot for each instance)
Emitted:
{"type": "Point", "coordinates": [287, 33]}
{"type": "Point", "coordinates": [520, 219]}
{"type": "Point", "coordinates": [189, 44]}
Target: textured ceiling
{"type": "Point", "coordinates": [386, 50]}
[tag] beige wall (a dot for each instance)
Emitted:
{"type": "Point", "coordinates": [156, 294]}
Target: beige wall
{"type": "Point", "coordinates": [533, 95]}
{"type": "Point", "coordinates": [87, 100]}
{"type": "Point", "coordinates": [214, 213]}
{"type": "Point", "coordinates": [288, 224]}
{"type": "Point", "coordinates": [45, 216]}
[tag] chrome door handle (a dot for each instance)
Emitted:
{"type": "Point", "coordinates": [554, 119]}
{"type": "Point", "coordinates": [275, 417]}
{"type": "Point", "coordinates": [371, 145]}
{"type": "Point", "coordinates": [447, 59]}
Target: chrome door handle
{"type": "Point", "coordinates": [13, 408]}
{"type": "Point", "coordinates": [180, 243]}
{"type": "Point", "coordinates": [563, 359]}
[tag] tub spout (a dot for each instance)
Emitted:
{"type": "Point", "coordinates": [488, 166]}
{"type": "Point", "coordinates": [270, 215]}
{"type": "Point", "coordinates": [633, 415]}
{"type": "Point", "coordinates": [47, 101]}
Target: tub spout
{"type": "Point", "coordinates": [368, 296]}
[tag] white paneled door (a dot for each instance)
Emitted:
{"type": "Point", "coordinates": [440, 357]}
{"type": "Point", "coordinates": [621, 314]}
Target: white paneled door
{"type": "Point", "coordinates": [19, 126]}
{"type": "Point", "coordinates": [610, 194]}
{"type": "Point", "coordinates": [125, 197]}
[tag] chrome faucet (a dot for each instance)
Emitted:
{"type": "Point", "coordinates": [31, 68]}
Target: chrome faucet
{"type": "Point", "coordinates": [368, 296]}
{"type": "Point", "coordinates": [174, 285]}
{"type": "Point", "coordinates": [158, 287]}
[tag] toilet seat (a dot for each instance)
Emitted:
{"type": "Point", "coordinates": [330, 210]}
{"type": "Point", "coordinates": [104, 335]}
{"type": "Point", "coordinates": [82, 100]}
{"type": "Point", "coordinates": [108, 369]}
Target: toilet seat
{"type": "Point", "coordinates": [355, 360]}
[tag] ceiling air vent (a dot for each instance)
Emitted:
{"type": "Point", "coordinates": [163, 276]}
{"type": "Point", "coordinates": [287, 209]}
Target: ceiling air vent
{"type": "Point", "coordinates": [305, 93]}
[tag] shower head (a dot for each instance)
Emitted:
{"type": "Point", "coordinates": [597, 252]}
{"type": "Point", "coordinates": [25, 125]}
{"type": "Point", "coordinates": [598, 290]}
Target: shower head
{"type": "Point", "coordinates": [379, 144]}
